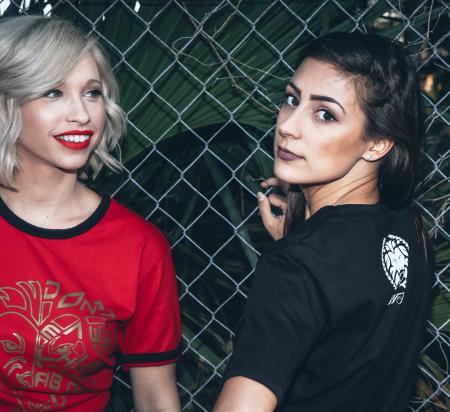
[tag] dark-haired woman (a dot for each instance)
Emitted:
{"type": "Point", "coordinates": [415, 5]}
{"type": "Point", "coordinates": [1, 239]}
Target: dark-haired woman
{"type": "Point", "coordinates": [336, 313]}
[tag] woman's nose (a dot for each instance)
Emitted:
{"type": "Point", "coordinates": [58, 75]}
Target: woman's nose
{"type": "Point", "coordinates": [77, 111]}
{"type": "Point", "coordinates": [289, 124]}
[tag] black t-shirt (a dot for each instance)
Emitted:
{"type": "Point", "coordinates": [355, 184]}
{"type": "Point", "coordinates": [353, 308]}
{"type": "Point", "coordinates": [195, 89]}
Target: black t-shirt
{"type": "Point", "coordinates": [336, 313]}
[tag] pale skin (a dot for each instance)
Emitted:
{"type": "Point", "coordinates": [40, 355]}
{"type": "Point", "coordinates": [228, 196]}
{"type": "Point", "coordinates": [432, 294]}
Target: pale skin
{"type": "Point", "coordinates": [48, 194]}
{"type": "Point", "coordinates": [320, 124]}
{"type": "Point", "coordinates": [155, 389]}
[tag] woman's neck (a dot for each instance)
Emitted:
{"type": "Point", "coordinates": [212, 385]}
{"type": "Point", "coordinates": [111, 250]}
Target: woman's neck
{"type": "Point", "coordinates": [361, 189]}
{"type": "Point", "coordinates": [54, 201]}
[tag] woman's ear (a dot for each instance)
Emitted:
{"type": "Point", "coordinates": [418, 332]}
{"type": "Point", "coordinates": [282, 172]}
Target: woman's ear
{"type": "Point", "coordinates": [377, 149]}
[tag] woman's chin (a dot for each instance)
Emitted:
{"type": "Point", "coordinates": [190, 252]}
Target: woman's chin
{"type": "Point", "coordinates": [287, 177]}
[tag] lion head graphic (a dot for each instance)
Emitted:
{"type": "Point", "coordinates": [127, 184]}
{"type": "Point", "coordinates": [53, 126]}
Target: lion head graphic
{"type": "Point", "coordinates": [394, 256]}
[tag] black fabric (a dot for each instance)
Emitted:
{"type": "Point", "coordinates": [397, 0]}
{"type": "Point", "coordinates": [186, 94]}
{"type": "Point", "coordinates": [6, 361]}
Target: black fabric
{"type": "Point", "coordinates": [150, 357]}
{"type": "Point", "coordinates": [121, 399]}
{"type": "Point", "coordinates": [336, 313]}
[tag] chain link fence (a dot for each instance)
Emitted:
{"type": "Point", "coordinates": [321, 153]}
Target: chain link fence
{"type": "Point", "coordinates": [201, 82]}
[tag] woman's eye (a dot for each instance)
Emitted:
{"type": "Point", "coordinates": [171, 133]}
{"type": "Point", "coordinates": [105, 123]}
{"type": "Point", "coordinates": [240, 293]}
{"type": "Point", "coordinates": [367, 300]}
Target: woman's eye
{"type": "Point", "coordinates": [52, 93]}
{"type": "Point", "coordinates": [94, 93]}
{"type": "Point", "coordinates": [325, 115]}
{"type": "Point", "coordinates": [291, 100]}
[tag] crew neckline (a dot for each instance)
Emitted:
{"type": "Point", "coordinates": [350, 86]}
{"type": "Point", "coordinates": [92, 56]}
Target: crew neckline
{"type": "Point", "coordinates": [356, 207]}
{"type": "Point", "coordinates": [344, 209]}
{"type": "Point", "coordinates": [37, 231]}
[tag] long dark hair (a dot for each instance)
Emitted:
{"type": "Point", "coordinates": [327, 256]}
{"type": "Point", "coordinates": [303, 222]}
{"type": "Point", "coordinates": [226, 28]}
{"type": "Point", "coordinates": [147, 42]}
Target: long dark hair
{"type": "Point", "coordinates": [388, 92]}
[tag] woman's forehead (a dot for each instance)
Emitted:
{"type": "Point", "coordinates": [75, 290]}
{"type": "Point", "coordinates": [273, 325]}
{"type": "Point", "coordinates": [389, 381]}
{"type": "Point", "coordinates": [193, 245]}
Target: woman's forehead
{"type": "Point", "coordinates": [320, 78]}
{"type": "Point", "coordinates": [85, 71]}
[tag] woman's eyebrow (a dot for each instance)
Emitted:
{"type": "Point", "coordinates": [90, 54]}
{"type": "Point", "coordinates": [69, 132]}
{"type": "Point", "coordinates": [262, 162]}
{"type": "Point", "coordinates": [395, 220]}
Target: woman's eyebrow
{"type": "Point", "coordinates": [317, 96]}
{"type": "Point", "coordinates": [297, 90]}
{"type": "Point", "coordinates": [93, 82]}
{"type": "Point", "coordinates": [326, 99]}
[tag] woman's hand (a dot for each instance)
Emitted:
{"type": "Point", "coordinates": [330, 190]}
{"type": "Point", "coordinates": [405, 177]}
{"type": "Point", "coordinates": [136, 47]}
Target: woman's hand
{"type": "Point", "coordinates": [273, 224]}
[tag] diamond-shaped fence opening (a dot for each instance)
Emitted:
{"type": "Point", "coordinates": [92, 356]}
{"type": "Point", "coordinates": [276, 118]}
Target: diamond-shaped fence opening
{"type": "Point", "coordinates": [201, 82]}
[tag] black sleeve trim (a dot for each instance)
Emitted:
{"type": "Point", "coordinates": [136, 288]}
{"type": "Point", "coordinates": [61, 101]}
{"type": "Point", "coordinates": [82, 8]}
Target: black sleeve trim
{"type": "Point", "coordinates": [150, 357]}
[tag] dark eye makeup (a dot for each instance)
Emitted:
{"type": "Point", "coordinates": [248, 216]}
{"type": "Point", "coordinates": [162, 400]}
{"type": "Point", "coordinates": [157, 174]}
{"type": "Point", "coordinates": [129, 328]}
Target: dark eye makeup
{"type": "Point", "coordinates": [52, 93]}
{"type": "Point", "coordinates": [325, 116]}
{"type": "Point", "coordinates": [94, 93]}
{"type": "Point", "coordinates": [291, 100]}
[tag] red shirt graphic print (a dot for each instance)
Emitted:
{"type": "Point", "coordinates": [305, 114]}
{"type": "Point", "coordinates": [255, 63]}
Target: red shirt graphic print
{"type": "Point", "coordinates": [74, 301]}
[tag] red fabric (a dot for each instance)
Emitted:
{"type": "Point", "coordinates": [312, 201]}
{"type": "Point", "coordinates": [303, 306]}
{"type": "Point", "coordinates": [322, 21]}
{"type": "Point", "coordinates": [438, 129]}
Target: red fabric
{"type": "Point", "coordinates": [67, 305]}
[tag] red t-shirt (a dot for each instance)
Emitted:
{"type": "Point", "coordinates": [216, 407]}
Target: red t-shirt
{"type": "Point", "coordinates": [73, 300]}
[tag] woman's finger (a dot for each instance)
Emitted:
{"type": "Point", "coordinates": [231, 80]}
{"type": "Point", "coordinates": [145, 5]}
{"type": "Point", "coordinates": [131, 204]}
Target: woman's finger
{"type": "Point", "coordinates": [273, 224]}
{"type": "Point", "coordinates": [271, 181]}
{"type": "Point", "coordinates": [278, 201]}
{"type": "Point", "coordinates": [275, 182]}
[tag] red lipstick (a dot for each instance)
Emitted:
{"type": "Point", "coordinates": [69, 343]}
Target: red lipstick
{"type": "Point", "coordinates": [74, 139]}
{"type": "Point", "coordinates": [287, 155]}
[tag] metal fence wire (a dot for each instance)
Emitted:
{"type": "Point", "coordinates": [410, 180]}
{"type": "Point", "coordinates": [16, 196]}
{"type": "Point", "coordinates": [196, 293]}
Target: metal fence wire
{"type": "Point", "coordinates": [201, 82]}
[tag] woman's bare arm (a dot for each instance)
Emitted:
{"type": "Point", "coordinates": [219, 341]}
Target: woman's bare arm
{"type": "Point", "coordinates": [240, 394]}
{"type": "Point", "coordinates": [155, 389]}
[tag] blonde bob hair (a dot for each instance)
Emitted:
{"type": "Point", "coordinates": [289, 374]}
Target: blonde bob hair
{"type": "Point", "coordinates": [36, 55]}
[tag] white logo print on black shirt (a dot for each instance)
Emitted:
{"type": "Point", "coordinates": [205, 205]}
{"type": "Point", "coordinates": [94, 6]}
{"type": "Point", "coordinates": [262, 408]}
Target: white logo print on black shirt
{"type": "Point", "coordinates": [395, 260]}
{"type": "Point", "coordinates": [394, 256]}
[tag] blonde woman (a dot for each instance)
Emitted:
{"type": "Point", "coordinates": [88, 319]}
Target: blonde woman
{"type": "Point", "coordinates": [84, 283]}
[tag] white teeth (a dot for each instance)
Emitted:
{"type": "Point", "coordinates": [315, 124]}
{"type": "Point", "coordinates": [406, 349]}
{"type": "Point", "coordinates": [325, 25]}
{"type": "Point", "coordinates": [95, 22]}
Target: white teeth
{"type": "Point", "coordinates": [74, 138]}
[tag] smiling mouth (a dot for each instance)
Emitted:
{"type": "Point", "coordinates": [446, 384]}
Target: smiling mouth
{"type": "Point", "coordinates": [285, 154]}
{"type": "Point", "coordinates": [75, 139]}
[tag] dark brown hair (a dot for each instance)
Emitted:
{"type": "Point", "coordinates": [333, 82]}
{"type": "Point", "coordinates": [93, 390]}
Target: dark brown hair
{"type": "Point", "coordinates": [389, 95]}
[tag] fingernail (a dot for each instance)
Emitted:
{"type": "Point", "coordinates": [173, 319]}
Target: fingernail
{"type": "Point", "coordinates": [261, 197]}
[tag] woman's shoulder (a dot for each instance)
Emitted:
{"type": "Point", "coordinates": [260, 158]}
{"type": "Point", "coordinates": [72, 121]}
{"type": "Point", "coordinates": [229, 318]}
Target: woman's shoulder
{"type": "Point", "coordinates": [133, 225]}
{"type": "Point", "coordinates": [333, 224]}
{"type": "Point", "coordinates": [342, 252]}
{"type": "Point", "coordinates": [341, 236]}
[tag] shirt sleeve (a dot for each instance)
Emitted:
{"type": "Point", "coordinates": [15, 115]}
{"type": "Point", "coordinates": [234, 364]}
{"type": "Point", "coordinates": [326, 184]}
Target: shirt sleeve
{"type": "Point", "coordinates": [152, 336]}
{"type": "Point", "coordinates": [285, 315]}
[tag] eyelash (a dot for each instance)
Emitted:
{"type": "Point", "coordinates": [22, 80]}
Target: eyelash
{"type": "Point", "coordinates": [333, 117]}
{"type": "Point", "coordinates": [52, 91]}
{"type": "Point", "coordinates": [287, 97]}
{"type": "Point", "coordinates": [94, 93]}
{"type": "Point", "coordinates": [295, 103]}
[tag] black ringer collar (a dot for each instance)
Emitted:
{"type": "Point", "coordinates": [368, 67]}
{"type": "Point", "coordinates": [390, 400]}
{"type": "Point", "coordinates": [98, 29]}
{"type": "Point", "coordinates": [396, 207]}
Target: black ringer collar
{"type": "Point", "coordinates": [77, 230]}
